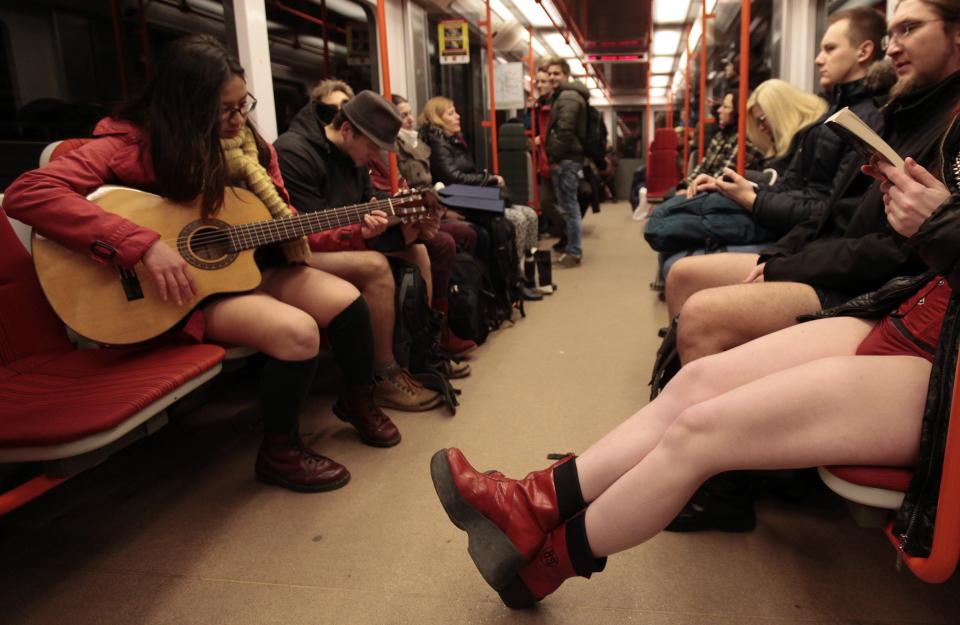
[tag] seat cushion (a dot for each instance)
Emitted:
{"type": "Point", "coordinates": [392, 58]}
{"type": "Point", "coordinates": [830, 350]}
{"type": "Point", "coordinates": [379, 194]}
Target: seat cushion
{"type": "Point", "coordinates": [63, 397]}
{"type": "Point", "coordinates": [888, 478]}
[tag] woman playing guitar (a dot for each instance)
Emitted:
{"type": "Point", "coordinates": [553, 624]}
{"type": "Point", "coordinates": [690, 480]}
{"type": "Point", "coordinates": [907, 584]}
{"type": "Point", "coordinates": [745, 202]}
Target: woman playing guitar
{"type": "Point", "coordinates": [181, 139]}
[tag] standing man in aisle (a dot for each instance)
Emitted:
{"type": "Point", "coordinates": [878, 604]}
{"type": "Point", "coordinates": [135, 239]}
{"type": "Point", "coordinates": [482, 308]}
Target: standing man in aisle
{"type": "Point", "coordinates": [566, 131]}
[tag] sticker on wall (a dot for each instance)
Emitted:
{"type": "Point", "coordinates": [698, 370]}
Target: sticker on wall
{"type": "Point", "coordinates": [454, 37]}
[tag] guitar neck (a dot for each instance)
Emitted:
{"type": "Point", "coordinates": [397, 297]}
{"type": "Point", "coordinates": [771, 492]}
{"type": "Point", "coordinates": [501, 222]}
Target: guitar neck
{"type": "Point", "coordinates": [250, 235]}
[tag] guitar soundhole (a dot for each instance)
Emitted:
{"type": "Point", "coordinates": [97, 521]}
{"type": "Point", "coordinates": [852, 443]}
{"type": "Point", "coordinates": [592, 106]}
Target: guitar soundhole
{"type": "Point", "coordinates": [206, 244]}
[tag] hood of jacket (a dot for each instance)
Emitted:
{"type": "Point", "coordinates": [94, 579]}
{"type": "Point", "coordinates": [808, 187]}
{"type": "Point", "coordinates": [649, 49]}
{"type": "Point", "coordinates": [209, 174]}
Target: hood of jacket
{"type": "Point", "coordinates": [576, 86]}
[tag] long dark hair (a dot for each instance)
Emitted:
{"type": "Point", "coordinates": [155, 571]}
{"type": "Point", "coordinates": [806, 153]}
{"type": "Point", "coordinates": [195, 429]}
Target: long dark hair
{"type": "Point", "coordinates": [180, 111]}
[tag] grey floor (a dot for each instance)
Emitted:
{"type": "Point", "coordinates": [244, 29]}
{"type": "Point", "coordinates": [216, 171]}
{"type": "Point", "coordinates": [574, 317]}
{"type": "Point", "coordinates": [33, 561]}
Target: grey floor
{"type": "Point", "coordinates": [175, 530]}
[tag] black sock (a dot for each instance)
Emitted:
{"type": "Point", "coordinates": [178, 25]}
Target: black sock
{"type": "Point", "coordinates": [567, 482]}
{"type": "Point", "coordinates": [283, 388]}
{"type": "Point", "coordinates": [578, 548]}
{"type": "Point", "coordinates": [351, 337]}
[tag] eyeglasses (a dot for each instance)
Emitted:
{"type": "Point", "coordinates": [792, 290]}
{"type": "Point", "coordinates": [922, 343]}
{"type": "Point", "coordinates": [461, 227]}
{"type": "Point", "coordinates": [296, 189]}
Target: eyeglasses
{"type": "Point", "coordinates": [901, 31]}
{"type": "Point", "coordinates": [244, 108]}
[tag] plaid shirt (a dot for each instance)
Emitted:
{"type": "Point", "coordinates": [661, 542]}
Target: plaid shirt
{"type": "Point", "coordinates": [722, 152]}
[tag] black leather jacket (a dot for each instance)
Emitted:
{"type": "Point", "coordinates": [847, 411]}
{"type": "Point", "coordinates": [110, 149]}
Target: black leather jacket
{"type": "Point", "coordinates": [450, 162]}
{"type": "Point", "coordinates": [937, 242]}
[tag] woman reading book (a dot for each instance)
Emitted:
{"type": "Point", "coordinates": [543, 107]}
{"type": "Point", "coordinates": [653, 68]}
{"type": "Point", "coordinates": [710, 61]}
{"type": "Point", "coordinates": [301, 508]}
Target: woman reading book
{"type": "Point", "coordinates": [189, 135]}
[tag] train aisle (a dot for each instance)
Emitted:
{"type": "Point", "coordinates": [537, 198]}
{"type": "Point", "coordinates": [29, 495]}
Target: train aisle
{"type": "Point", "coordinates": [176, 530]}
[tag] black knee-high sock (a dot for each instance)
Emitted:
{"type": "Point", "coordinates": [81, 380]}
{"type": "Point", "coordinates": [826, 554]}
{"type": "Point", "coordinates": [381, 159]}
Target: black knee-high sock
{"type": "Point", "coordinates": [351, 337]}
{"type": "Point", "coordinates": [578, 548]}
{"type": "Point", "coordinates": [567, 482]}
{"type": "Point", "coordinates": [283, 388]}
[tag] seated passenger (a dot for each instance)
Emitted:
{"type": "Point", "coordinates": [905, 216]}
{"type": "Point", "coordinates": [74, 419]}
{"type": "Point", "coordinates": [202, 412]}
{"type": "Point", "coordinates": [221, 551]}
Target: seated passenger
{"type": "Point", "coordinates": [188, 136]}
{"type": "Point", "coordinates": [848, 249]}
{"type": "Point", "coordinates": [852, 72]}
{"type": "Point", "coordinates": [451, 163]}
{"type": "Point", "coordinates": [837, 390]}
{"type": "Point", "coordinates": [324, 167]}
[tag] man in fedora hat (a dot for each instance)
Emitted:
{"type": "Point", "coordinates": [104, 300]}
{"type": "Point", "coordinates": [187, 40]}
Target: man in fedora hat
{"type": "Point", "coordinates": [324, 166]}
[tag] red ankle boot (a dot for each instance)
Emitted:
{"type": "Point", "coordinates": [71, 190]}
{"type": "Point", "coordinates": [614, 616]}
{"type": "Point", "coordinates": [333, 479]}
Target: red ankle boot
{"type": "Point", "coordinates": [456, 346]}
{"type": "Point", "coordinates": [506, 520]}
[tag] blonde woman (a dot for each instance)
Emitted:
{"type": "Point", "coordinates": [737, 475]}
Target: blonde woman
{"type": "Point", "coordinates": [451, 163]}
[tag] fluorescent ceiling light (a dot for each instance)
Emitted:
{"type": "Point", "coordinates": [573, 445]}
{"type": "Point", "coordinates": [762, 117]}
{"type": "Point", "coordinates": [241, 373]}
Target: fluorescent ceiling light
{"type": "Point", "coordinates": [347, 9]}
{"type": "Point", "coordinates": [661, 65]}
{"type": "Point", "coordinates": [682, 65]}
{"type": "Point", "coordinates": [576, 67]}
{"type": "Point", "coordinates": [711, 5]}
{"type": "Point", "coordinates": [538, 47]}
{"type": "Point", "coordinates": [501, 10]}
{"type": "Point", "coordinates": [597, 93]}
{"type": "Point", "coordinates": [665, 42]}
{"type": "Point", "coordinates": [659, 81]}
{"type": "Point", "coordinates": [591, 82]}
{"type": "Point", "coordinates": [660, 92]}
{"type": "Point", "coordinates": [534, 13]}
{"type": "Point", "coordinates": [695, 34]}
{"type": "Point", "coordinates": [670, 11]}
{"type": "Point", "coordinates": [557, 44]}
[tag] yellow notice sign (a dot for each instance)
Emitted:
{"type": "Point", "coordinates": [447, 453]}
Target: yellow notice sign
{"type": "Point", "coordinates": [454, 36]}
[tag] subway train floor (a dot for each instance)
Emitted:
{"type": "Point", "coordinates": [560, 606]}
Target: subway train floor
{"type": "Point", "coordinates": [176, 530]}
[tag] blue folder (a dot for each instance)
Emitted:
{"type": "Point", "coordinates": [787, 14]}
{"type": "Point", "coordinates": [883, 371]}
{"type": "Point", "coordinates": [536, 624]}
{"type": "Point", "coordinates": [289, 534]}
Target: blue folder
{"type": "Point", "coordinates": [469, 190]}
{"type": "Point", "coordinates": [472, 197]}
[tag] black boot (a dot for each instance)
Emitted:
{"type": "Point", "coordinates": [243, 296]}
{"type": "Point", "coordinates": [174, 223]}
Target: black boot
{"type": "Point", "coordinates": [543, 262]}
{"type": "Point", "coordinates": [723, 503]}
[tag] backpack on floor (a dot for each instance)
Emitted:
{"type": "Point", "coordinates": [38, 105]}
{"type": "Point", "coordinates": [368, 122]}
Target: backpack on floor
{"type": "Point", "coordinates": [471, 299]}
{"type": "Point", "coordinates": [416, 334]}
{"type": "Point", "coordinates": [504, 270]}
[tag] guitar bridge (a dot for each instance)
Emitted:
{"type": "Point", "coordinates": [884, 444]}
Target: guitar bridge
{"type": "Point", "coordinates": [130, 283]}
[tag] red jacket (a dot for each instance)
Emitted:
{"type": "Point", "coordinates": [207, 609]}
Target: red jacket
{"type": "Point", "coordinates": [543, 120]}
{"type": "Point", "coordinates": [53, 199]}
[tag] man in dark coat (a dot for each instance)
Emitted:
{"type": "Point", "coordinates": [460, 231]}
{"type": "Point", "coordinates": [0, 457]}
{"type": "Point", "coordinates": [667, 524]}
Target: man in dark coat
{"type": "Point", "coordinates": [849, 249]}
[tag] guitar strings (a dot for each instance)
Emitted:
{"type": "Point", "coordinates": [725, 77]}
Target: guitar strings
{"type": "Point", "coordinates": [327, 216]}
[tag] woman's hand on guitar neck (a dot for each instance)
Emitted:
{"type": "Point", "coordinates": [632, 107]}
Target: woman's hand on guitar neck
{"type": "Point", "coordinates": [171, 273]}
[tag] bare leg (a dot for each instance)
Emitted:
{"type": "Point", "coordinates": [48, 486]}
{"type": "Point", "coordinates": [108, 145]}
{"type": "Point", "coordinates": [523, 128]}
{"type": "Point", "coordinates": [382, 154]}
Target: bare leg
{"type": "Point", "coordinates": [837, 410]}
{"type": "Point", "coordinates": [417, 254]}
{"type": "Point", "coordinates": [695, 273]}
{"type": "Point", "coordinates": [370, 272]}
{"type": "Point", "coordinates": [718, 319]}
{"type": "Point", "coordinates": [627, 444]}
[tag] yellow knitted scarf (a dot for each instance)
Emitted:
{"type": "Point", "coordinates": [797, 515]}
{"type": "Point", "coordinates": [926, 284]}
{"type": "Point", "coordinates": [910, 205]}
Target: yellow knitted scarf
{"type": "Point", "coordinates": [240, 157]}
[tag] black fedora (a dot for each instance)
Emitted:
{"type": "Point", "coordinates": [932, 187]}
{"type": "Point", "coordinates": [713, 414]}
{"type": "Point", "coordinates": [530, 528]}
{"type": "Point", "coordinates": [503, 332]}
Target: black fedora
{"type": "Point", "coordinates": [373, 116]}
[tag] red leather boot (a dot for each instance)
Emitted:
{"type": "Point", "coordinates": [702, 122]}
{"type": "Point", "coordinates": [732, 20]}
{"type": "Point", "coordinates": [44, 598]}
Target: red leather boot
{"type": "Point", "coordinates": [551, 566]}
{"type": "Point", "coordinates": [506, 520]}
{"type": "Point", "coordinates": [455, 345]}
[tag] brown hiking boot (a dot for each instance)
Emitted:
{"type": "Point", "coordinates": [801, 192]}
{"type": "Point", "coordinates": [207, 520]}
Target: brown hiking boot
{"type": "Point", "coordinates": [398, 389]}
{"type": "Point", "coordinates": [356, 407]}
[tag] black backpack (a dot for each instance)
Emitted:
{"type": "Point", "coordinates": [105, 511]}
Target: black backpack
{"type": "Point", "coordinates": [595, 141]}
{"type": "Point", "coordinates": [416, 334]}
{"type": "Point", "coordinates": [504, 270]}
{"type": "Point", "coordinates": [471, 298]}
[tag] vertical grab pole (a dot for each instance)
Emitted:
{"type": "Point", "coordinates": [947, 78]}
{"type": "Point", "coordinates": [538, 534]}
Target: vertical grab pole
{"type": "Point", "coordinates": [744, 84]}
{"type": "Point", "coordinates": [534, 120]}
{"type": "Point", "coordinates": [686, 110]}
{"type": "Point", "coordinates": [387, 93]}
{"type": "Point", "coordinates": [703, 77]}
{"type": "Point", "coordinates": [492, 124]}
{"type": "Point", "coordinates": [326, 40]}
{"type": "Point", "coordinates": [647, 113]}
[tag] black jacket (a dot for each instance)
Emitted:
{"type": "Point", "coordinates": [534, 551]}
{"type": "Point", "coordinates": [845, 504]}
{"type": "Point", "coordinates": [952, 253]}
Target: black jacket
{"type": "Point", "coordinates": [850, 247]}
{"type": "Point", "coordinates": [319, 176]}
{"type": "Point", "coordinates": [819, 157]}
{"type": "Point", "coordinates": [567, 126]}
{"type": "Point", "coordinates": [937, 242]}
{"type": "Point", "coordinates": [450, 162]}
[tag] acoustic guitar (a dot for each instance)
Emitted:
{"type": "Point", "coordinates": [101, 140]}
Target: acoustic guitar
{"type": "Point", "coordinates": [121, 305]}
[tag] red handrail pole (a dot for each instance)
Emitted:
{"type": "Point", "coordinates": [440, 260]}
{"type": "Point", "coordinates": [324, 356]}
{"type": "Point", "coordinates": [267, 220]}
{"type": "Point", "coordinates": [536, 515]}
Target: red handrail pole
{"type": "Point", "coordinates": [744, 84]}
{"type": "Point", "coordinates": [326, 40]}
{"type": "Point", "coordinates": [306, 16]}
{"type": "Point", "coordinates": [26, 492]}
{"type": "Point", "coordinates": [534, 147]}
{"type": "Point", "coordinates": [387, 93]}
{"type": "Point", "coordinates": [492, 124]}
{"type": "Point", "coordinates": [703, 76]}
{"type": "Point", "coordinates": [686, 110]}
{"type": "Point", "coordinates": [647, 112]}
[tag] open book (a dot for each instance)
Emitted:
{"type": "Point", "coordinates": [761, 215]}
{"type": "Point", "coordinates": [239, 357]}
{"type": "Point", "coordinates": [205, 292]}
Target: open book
{"type": "Point", "coordinates": [862, 137]}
